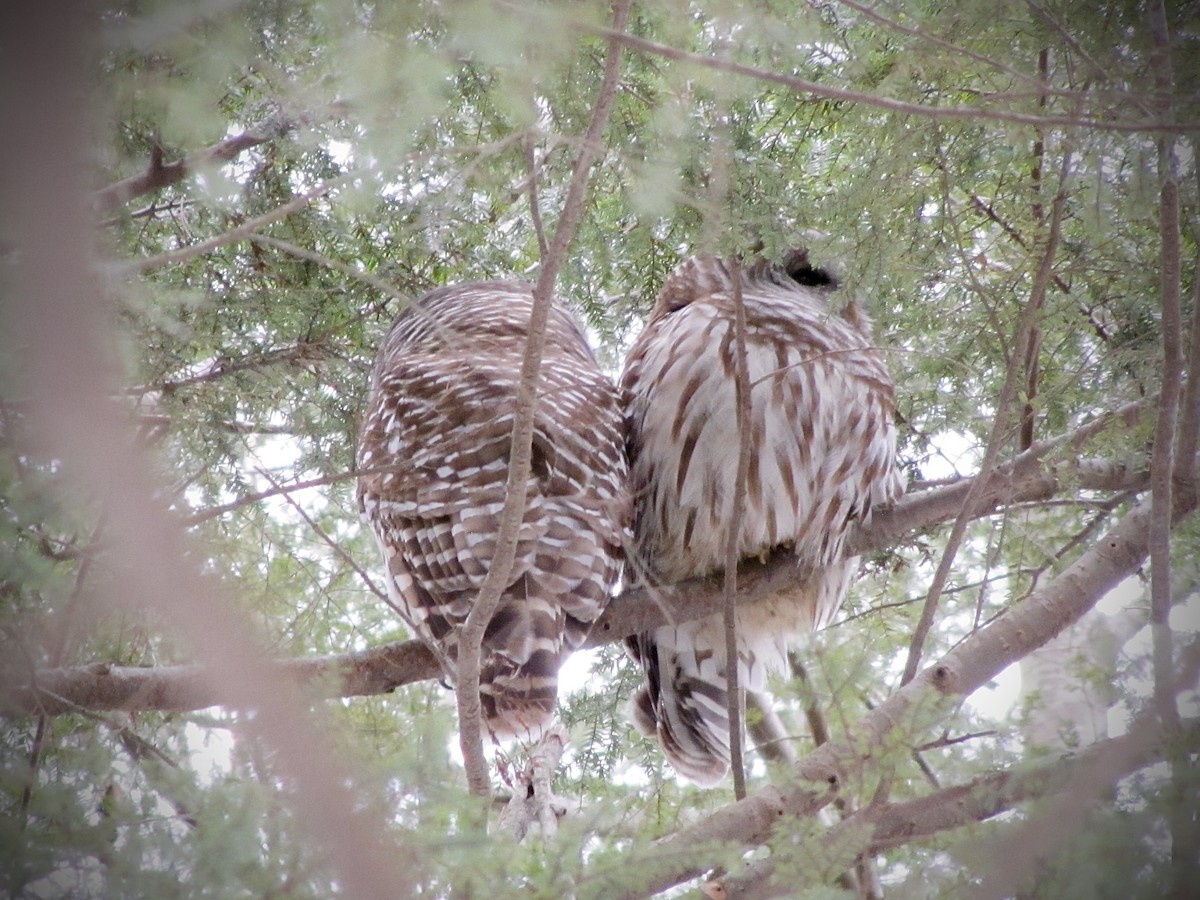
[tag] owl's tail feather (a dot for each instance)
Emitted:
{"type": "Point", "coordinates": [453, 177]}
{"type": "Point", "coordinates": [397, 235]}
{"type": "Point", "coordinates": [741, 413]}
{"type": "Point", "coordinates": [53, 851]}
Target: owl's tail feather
{"type": "Point", "coordinates": [683, 702]}
{"type": "Point", "coordinates": [692, 725]}
{"type": "Point", "coordinates": [519, 700]}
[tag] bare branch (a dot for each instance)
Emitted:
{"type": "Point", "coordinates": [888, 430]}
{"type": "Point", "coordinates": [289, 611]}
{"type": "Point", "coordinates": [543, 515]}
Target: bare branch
{"type": "Point", "coordinates": [1026, 329]}
{"type": "Point", "coordinates": [831, 92]}
{"type": "Point", "coordinates": [535, 202]}
{"type": "Point", "coordinates": [159, 175]}
{"type": "Point", "coordinates": [241, 232]}
{"type": "Point", "coordinates": [471, 635]}
{"type": "Point", "coordinates": [733, 699]}
{"type": "Point", "coordinates": [1026, 626]}
{"type": "Point", "coordinates": [1189, 419]}
{"type": "Point", "coordinates": [215, 512]}
{"type": "Point", "coordinates": [383, 669]}
{"type": "Point", "coordinates": [301, 351]}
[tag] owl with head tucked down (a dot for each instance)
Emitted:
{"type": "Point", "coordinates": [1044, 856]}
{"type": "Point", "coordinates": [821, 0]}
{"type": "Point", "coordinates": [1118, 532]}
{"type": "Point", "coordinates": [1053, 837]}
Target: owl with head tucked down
{"type": "Point", "coordinates": [433, 458]}
{"type": "Point", "coordinates": [823, 454]}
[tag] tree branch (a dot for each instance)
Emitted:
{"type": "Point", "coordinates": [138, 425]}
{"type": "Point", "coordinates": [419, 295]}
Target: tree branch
{"type": "Point", "coordinates": [1022, 342]}
{"type": "Point", "coordinates": [1189, 419]}
{"type": "Point", "coordinates": [1162, 464]}
{"type": "Point", "coordinates": [648, 47]}
{"type": "Point", "coordinates": [878, 828]}
{"type": "Point", "coordinates": [471, 635]}
{"type": "Point", "coordinates": [241, 232]}
{"type": "Point", "coordinates": [1162, 467]}
{"type": "Point", "coordinates": [159, 175]}
{"type": "Point", "coordinates": [733, 699]}
{"type": "Point", "coordinates": [380, 670]}
{"type": "Point", "coordinates": [979, 658]}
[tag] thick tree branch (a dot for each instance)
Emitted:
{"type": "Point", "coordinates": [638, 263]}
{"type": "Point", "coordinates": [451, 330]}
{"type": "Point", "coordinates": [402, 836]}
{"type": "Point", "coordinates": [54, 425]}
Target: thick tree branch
{"type": "Point", "coordinates": [382, 669]}
{"type": "Point", "coordinates": [1025, 627]}
{"type": "Point", "coordinates": [881, 827]}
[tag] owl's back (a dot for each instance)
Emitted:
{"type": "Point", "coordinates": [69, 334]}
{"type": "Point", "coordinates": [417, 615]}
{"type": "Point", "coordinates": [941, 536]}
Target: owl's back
{"type": "Point", "coordinates": [822, 455]}
{"type": "Point", "coordinates": [434, 452]}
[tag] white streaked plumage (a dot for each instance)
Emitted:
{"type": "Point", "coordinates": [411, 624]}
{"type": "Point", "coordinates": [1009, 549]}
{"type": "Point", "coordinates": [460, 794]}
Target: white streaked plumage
{"type": "Point", "coordinates": [823, 454]}
{"type": "Point", "coordinates": [434, 451]}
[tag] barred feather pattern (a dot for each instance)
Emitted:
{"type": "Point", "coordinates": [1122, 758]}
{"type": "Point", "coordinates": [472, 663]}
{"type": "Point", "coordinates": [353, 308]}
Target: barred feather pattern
{"type": "Point", "coordinates": [433, 455]}
{"type": "Point", "coordinates": [822, 455]}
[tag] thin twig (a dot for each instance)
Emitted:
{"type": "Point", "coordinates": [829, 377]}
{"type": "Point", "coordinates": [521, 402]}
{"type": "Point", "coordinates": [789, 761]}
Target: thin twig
{"type": "Point", "coordinates": [309, 349]}
{"type": "Point", "coordinates": [733, 698]}
{"type": "Point", "coordinates": [535, 203]}
{"type": "Point", "coordinates": [999, 434]}
{"type": "Point", "coordinates": [443, 662]}
{"type": "Point", "coordinates": [320, 259]}
{"type": "Point", "coordinates": [471, 634]}
{"type": "Point", "coordinates": [215, 512]}
{"type": "Point", "coordinates": [829, 91]}
{"type": "Point", "coordinates": [241, 232]}
{"type": "Point", "coordinates": [893, 25]}
{"type": "Point", "coordinates": [1098, 71]}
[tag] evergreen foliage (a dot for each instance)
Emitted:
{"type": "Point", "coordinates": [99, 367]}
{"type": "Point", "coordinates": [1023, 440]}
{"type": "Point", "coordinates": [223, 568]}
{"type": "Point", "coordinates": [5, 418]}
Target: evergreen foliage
{"type": "Point", "coordinates": [428, 133]}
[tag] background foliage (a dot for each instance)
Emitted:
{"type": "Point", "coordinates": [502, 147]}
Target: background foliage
{"type": "Point", "coordinates": [428, 135]}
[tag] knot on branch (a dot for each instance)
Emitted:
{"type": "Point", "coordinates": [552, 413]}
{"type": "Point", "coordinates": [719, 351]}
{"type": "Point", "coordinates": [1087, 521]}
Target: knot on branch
{"type": "Point", "coordinates": [942, 676]}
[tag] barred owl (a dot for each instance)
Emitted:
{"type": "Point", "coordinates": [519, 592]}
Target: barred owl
{"type": "Point", "coordinates": [822, 455]}
{"type": "Point", "coordinates": [434, 454]}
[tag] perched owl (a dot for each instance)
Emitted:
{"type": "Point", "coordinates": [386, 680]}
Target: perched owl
{"type": "Point", "coordinates": [433, 455]}
{"type": "Point", "coordinates": [822, 455]}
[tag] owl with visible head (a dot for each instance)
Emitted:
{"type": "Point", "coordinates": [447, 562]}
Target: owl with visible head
{"type": "Point", "coordinates": [823, 453]}
{"type": "Point", "coordinates": [433, 458]}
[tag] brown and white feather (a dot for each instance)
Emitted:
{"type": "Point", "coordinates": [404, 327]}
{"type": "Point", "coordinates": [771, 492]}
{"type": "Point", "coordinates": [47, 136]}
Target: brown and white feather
{"type": "Point", "coordinates": [823, 454]}
{"type": "Point", "coordinates": [434, 451]}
